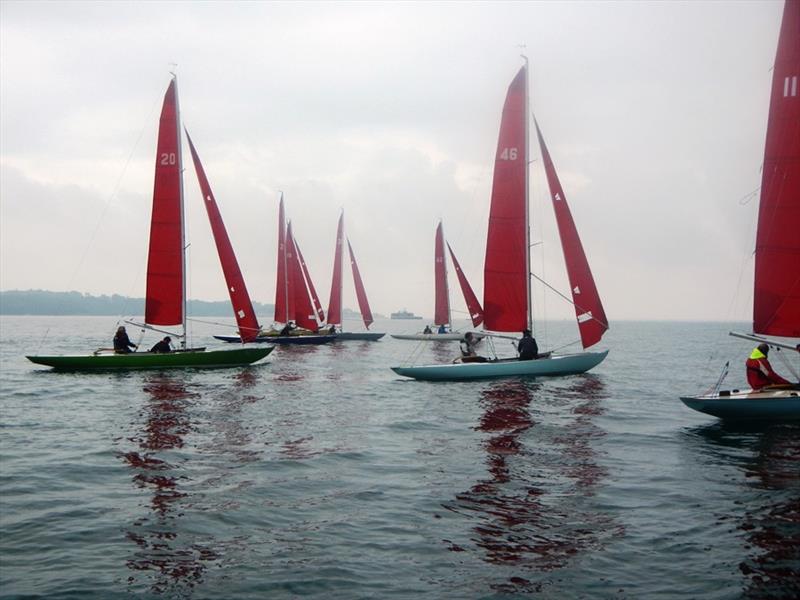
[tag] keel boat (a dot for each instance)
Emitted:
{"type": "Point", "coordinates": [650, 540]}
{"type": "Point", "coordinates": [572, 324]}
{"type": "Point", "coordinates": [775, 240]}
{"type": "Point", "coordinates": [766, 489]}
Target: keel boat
{"type": "Point", "coordinates": [776, 283]}
{"type": "Point", "coordinates": [165, 303]}
{"type": "Point", "coordinates": [507, 284]}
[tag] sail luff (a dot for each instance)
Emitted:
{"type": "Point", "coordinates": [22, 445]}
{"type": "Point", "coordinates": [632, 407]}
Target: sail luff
{"type": "Point", "coordinates": [361, 293]}
{"type": "Point", "coordinates": [506, 290]}
{"type": "Point", "coordinates": [589, 311]}
{"type": "Point", "coordinates": [441, 314]}
{"type": "Point", "coordinates": [165, 295]}
{"type": "Point", "coordinates": [776, 297]}
{"type": "Point", "coordinates": [473, 305]}
{"type": "Point", "coordinates": [237, 290]}
{"type": "Point", "coordinates": [335, 303]}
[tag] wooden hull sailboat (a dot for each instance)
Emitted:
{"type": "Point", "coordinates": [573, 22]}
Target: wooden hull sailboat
{"type": "Point", "coordinates": [442, 315]}
{"type": "Point", "coordinates": [165, 303]}
{"type": "Point", "coordinates": [335, 303]}
{"type": "Point", "coordinates": [507, 287]}
{"type": "Point", "coordinates": [776, 284]}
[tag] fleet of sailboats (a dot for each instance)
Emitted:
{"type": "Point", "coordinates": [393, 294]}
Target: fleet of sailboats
{"type": "Point", "coordinates": [507, 306]}
{"type": "Point", "coordinates": [507, 299]}
{"type": "Point", "coordinates": [442, 318]}
{"type": "Point", "coordinates": [776, 285]}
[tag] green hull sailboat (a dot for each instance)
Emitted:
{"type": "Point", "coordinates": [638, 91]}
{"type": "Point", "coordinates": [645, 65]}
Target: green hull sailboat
{"type": "Point", "coordinates": [166, 282]}
{"type": "Point", "coordinates": [193, 359]}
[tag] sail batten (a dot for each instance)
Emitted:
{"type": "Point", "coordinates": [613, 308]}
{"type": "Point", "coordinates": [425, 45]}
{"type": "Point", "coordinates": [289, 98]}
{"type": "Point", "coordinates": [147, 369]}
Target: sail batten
{"type": "Point", "coordinates": [164, 303]}
{"type": "Point", "coordinates": [240, 299]}
{"type": "Point", "coordinates": [776, 297]}
{"type": "Point", "coordinates": [506, 284]}
{"type": "Point", "coordinates": [588, 308]}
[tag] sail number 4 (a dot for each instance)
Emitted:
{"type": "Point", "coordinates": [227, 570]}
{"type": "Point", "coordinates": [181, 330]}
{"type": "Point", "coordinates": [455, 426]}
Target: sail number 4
{"type": "Point", "coordinates": [168, 158]}
{"type": "Point", "coordinates": [508, 154]}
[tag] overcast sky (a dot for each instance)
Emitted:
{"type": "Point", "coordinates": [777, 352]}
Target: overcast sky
{"type": "Point", "coordinates": [654, 113]}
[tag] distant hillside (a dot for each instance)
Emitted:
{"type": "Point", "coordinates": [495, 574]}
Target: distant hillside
{"type": "Point", "coordinates": [41, 302]}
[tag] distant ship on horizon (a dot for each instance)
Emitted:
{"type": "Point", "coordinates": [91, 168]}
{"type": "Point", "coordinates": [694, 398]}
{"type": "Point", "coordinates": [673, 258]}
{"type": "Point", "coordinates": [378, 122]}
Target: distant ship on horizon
{"type": "Point", "coordinates": [404, 314]}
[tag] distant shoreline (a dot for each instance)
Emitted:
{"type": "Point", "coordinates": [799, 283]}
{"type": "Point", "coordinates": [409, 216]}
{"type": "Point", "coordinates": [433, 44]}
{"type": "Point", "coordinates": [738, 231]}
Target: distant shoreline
{"type": "Point", "coordinates": [44, 303]}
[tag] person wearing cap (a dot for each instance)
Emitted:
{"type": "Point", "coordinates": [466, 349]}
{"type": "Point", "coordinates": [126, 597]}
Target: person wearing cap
{"type": "Point", "coordinates": [759, 371]}
{"type": "Point", "coordinates": [122, 343]}
{"type": "Point", "coordinates": [527, 347]}
{"type": "Point", "coordinates": [163, 346]}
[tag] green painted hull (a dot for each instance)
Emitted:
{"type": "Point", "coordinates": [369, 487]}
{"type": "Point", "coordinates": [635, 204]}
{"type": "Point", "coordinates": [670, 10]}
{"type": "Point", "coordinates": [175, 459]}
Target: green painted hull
{"type": "Point", "coordinates": [190, 359]}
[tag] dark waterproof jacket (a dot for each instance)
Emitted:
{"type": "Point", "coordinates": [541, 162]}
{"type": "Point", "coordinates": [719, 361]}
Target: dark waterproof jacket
{"type": "Point", "coordinates": [528, 348]}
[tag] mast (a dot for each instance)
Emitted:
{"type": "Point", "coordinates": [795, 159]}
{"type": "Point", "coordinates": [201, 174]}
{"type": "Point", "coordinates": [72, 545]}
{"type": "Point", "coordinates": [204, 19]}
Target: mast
{"type": "Point", "coordinates": [527, 197]}
{"type": "Point", "coordinates": [183, 215]}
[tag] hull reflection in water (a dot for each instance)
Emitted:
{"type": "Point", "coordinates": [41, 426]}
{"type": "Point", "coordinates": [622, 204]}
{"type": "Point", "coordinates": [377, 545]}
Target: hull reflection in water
{"type": "Point", "coordinates": [769, 516]}
{"type": "Point", "coordinates": [165, 560]}
{"type": "Point", "coordinates": [532, 510]}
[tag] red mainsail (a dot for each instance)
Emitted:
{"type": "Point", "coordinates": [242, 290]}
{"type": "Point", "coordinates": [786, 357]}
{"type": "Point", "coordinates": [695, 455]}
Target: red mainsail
{"type": "Point", "coordinates": [441, 313]}
{"type": "Point", "coordinates": [164, 303]}
{"type": "Point", "coordinates": [300, 311]}
{"type": "Point", "coordinates": [588, 307]}
{"type": "Point", "coordinates": [473, 306]}
{"type": "Point", "coordinates": [240, 299]}
{"type": "Point", "coordinates": [506, 270]}
{"type": "Point", "coordinates": [361, 294]}
{"type": "Point", "coordinates": [335, 304]}
{"type": "Point", "coordinates": [776, 299]}
{"type": "Point", "coordinates": [282, 294]}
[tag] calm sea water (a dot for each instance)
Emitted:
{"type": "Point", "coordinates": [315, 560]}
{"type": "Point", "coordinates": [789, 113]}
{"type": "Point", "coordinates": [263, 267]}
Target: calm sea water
{"type": "Point", "coordinates": [321, 474]}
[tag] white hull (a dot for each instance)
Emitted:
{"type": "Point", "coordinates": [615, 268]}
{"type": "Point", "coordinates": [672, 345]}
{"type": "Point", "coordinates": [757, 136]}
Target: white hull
{"type": "Point", "coordinates": [556, 365]}
{"type": "Point", "coordinates": [743, 405]}
{"type": "Point", "coordinates": [435, 337]}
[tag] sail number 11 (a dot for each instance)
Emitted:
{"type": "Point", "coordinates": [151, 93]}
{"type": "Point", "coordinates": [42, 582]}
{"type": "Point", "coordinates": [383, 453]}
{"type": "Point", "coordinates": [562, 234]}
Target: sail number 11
{"type": "Point", "coordinates": [508, 154]}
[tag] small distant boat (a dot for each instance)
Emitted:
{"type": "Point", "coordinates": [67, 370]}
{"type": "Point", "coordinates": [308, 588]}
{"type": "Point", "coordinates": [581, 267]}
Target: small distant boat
{"type": "Point", "coordinates": [404, 314]}
{"type": "Point", "coordinates": [776, 286]}
{"type": "Point", "coordinates": [335, 303]}
{"type": "Point", "coordinates": [442, 318]}
{"type": "Point", "coordinates": [165, 303]}
{"type": "Point", "coordinates": [507, 286]}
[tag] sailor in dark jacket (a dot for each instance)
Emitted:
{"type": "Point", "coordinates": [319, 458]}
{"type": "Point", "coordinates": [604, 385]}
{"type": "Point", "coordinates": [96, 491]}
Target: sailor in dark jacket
{"type": "Point", "coordinates": [122, 343]}
{"type": "Point", "coordinates": [163, 346]}
{"type": "Point", "coordinates": [528, 348]}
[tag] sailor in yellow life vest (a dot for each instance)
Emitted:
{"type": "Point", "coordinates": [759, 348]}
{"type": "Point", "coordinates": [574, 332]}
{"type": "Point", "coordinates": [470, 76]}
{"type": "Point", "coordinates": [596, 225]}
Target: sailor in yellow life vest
{"type": "Point", "coordinates": [759, 371]}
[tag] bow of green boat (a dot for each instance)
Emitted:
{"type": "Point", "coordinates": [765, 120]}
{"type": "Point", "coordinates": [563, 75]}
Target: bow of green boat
{"type": "Point", "coordinates": [188, 359]}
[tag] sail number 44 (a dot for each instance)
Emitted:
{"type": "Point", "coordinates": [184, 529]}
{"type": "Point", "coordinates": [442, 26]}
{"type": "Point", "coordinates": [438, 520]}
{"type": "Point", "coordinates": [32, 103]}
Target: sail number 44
{"type": "Point", "coordinates": [508, 154]}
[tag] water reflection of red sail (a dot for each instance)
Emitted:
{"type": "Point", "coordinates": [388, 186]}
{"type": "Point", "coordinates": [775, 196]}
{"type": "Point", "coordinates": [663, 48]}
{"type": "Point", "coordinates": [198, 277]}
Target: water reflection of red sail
{"type": "Point", "coordinates": [773, 530]}
{"type": "Point", "coordinates": [531, 510]}
{"type": "Point", "coordinates": [161, 548]}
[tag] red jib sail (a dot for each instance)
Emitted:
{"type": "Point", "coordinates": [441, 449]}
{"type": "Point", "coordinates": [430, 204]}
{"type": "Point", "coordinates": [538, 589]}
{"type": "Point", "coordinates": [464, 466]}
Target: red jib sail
{"type": "Point", "coordinates": [441, 313]}
{"type": "Point", "coordinates": [505, 274]}
{"type": "Point", "coordinates": [282, 294]}
{"type": "Point", "coordinates": [473, 306]}
{"type": "Point", "coordinates": [312, 291]}
{"type": "Point", "coordinates": [301, 310]}
{"type": "Point", "coordinates": [240, 299]}
{"type": "Point", "coordinates": [164, 302]}
{"type": "Point", "coordinates": [588, 307]}
{"type": "Point", "coordinates": [361, 294]}
{"type": "Point", "coordinates": [776, 302]}
{"type": "Point", "coordinates": [335, 304]}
